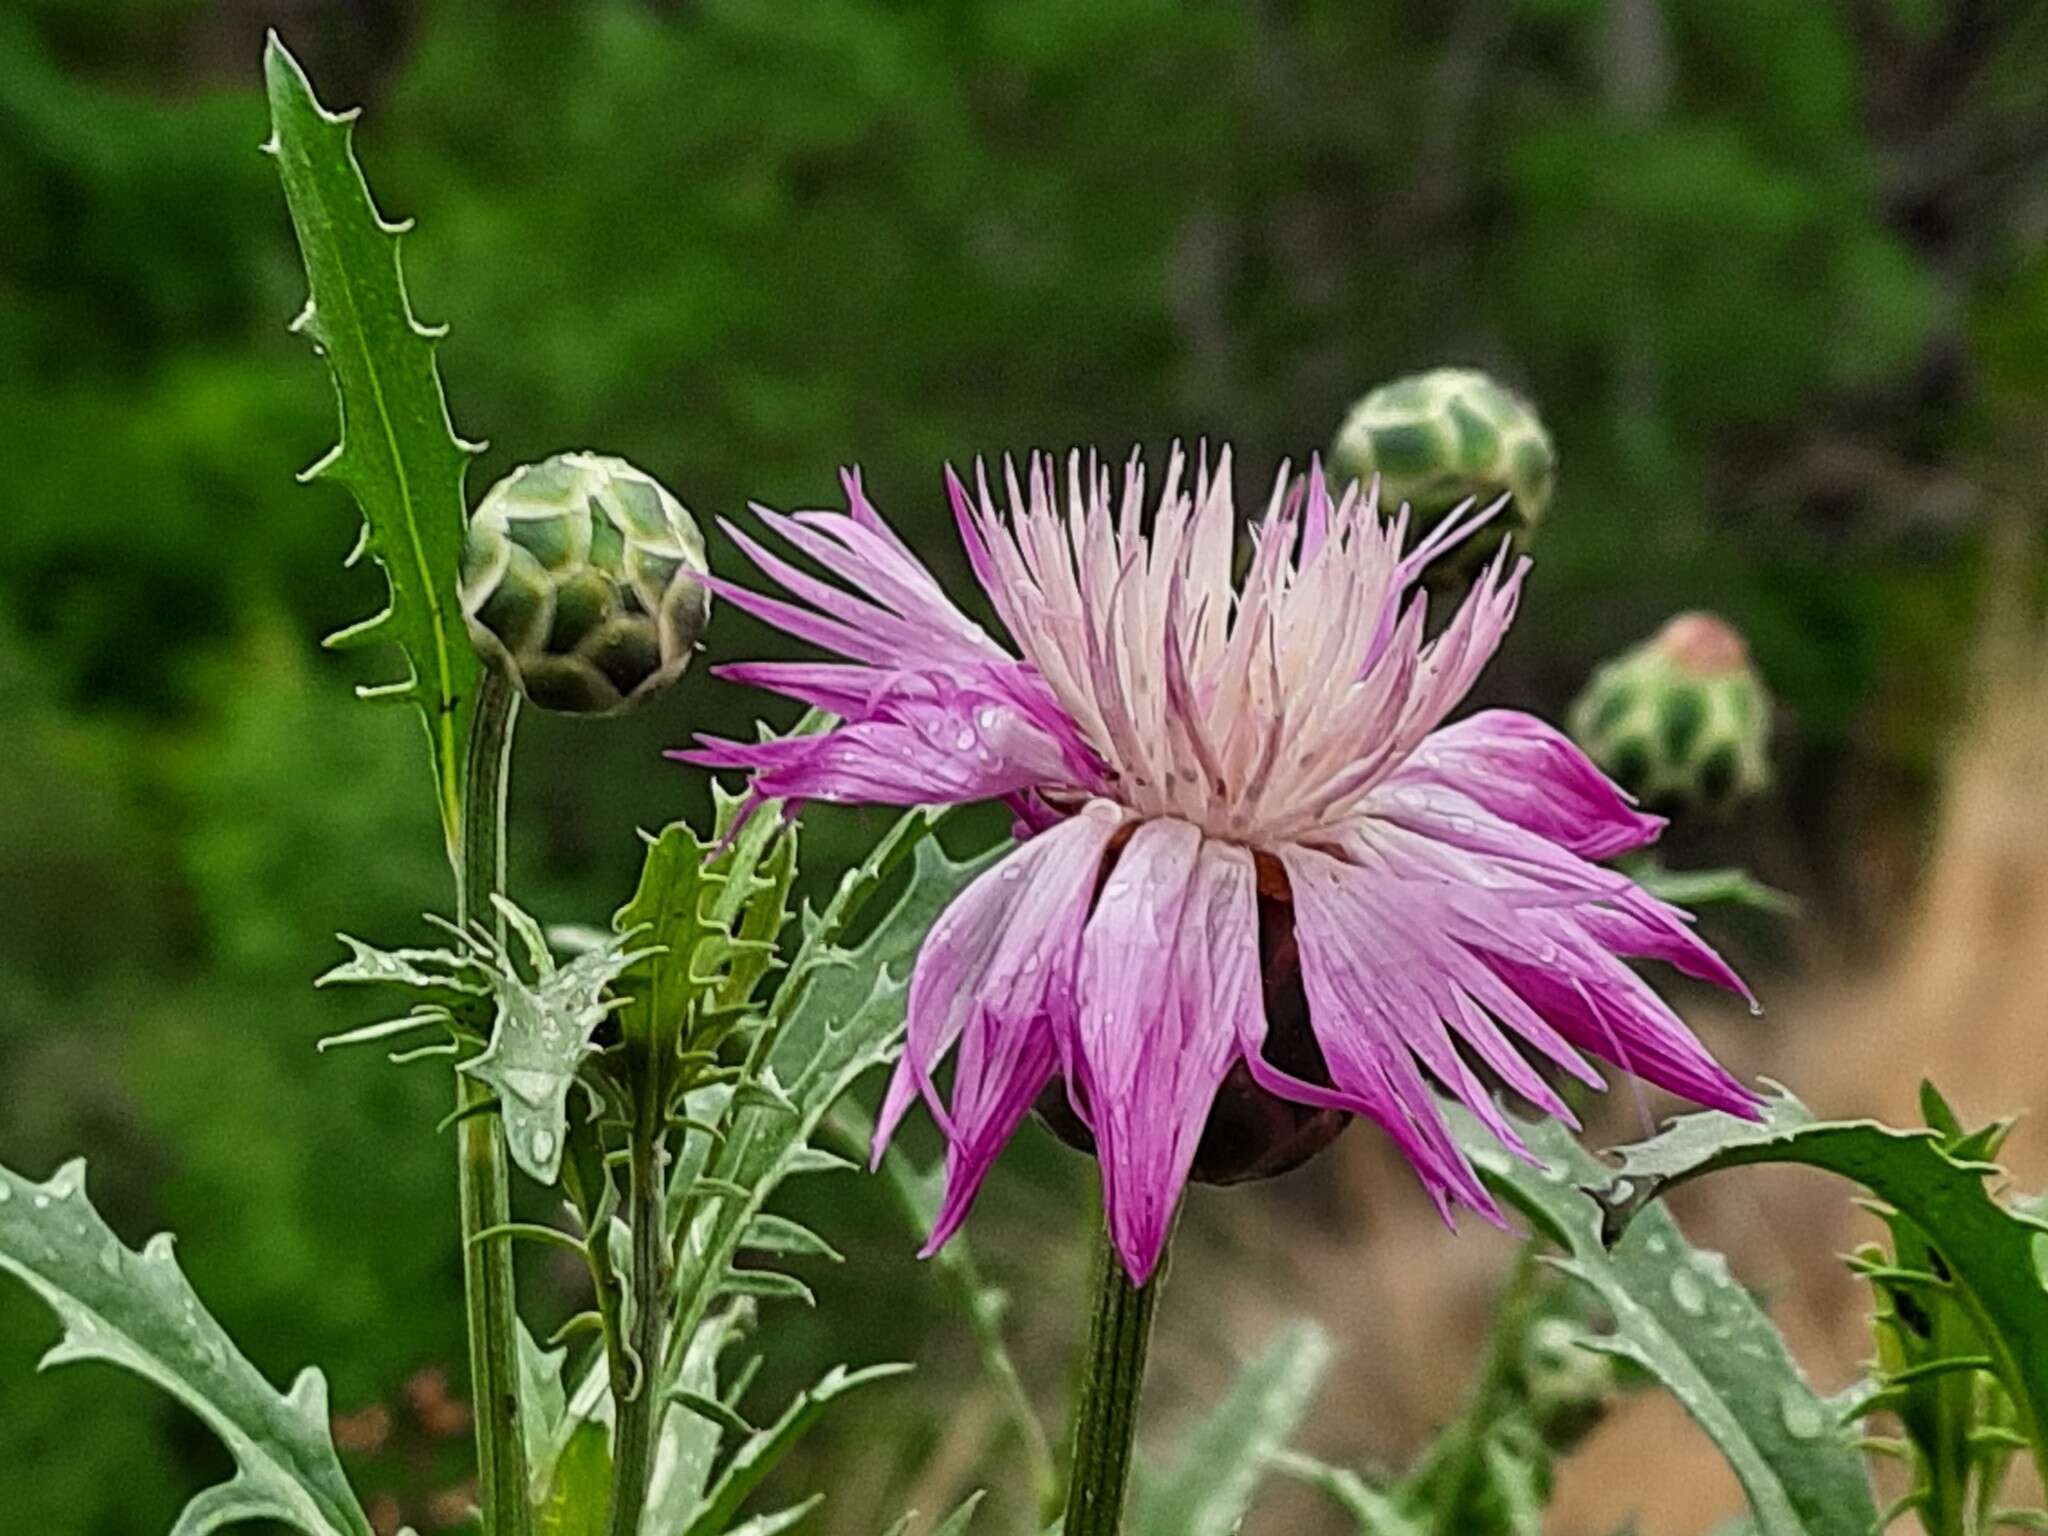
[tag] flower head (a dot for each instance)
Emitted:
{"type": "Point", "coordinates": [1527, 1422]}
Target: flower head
{"type": "Point", "coordinates": [1193, 760]}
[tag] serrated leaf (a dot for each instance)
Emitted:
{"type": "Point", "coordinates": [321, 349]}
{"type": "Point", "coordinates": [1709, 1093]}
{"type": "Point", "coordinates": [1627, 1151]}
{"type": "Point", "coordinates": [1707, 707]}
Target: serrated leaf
{"type": "Point", "coordinates": [1996, 1256]}
{"type": "Point", "coordinates": [843, 1020]}
{"type": "Point", "coordinates": [1210, 1484]}
{"type": "Point", "coordinates": [1681, 1316]}
{"type": "Point", "coordinates": [538, 1040]}
{"type": "Point", "coordinates": [398, 454]}
{"type": "Point", "coordinates": [708, 917]}
{"type": "Point", "coordinates": [434, 971]}
{"type": "Point", "coordinates": [136, 1310]}
{"type": "Point", "coordinates": [758, 1455]}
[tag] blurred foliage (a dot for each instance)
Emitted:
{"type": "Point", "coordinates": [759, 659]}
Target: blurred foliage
{"type": "Point", "coordinates": [1775, 277]}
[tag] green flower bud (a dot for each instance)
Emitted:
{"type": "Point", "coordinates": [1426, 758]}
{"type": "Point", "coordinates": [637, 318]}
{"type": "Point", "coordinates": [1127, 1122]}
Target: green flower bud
{"type": "Point", "coordinates": [1438, 438]}
{"type": "Point", "coordinates": [580, 578]}
{"type": "Point", "coordinates": [1682, 721]}
{"type": "Point", "coordinates": [1568, 1385]}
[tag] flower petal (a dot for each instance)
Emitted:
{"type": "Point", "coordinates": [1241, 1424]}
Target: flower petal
{"type": "Point", "coordinates": [1533, 777]}
{"type": "Point", "coordinates": [1168, 986]}
{"type": "Point", "coordinates": [943, 736]}
{"type": "Point", "coordinates": [1380, 973]}
{"type": "Point", "coordinates": [996, 976]}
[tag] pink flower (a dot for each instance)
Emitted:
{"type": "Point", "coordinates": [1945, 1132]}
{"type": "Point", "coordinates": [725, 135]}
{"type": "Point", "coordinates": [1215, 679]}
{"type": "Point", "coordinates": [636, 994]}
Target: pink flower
{"type": "Point", "coordinates": [1189, 760]}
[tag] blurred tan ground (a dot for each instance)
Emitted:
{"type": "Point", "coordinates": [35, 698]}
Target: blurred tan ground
{"type": "Point", "coordinates": [1958, 992]}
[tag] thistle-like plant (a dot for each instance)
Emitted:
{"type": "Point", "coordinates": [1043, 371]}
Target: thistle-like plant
{"type": "Point", "coordinates": [1248, 833]}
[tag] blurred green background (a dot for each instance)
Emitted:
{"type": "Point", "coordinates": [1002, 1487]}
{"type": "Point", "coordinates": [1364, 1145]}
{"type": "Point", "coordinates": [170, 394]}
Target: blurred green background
{"type": "Point", "coordinates": [1774, 273]}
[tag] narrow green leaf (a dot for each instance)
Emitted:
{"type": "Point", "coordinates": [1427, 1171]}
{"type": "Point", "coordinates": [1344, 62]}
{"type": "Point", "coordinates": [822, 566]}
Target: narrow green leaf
{"type": "Point", "coordinates": [954, 1524]}
{"type": "Point", "coordinates": [708, 1407]}
{"type": "Point", "coordinates": [1994, 1255]}
{"type": "Point", "coordinates": [768, 1233]}
{"type": "Point", "coordinates": [1377, 1513]}
{"type": "Point", "coordinates": [136, 1310]}
{"type": "Point", "coordinates": [578, 1485]}
{"type": "Point", "coordinates": [1681, 1316]}
{"type": "Point", "coordinates": [1210, 1484]}
{"type": "Point", "coordinates": [398, 454]}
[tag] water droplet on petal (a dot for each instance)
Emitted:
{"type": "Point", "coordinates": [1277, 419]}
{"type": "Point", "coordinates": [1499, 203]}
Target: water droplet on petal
{"type": "Point", "coordinates": [1690, 1295]}
{"type": "Point", "coordinates": [989, 717]}
{"type": "Point", "coordinates": [965, 739]}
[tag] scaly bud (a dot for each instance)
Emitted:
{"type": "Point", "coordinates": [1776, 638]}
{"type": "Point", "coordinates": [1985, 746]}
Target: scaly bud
{"type": "Point", "coordinates": [580, 578]}
{"type": "Point", "coordinates": [1436, 439]}
{"type": "Point", "coordinates": [1682, 721]}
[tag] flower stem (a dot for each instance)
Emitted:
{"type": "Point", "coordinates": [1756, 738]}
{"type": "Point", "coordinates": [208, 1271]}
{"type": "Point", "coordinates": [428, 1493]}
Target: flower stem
{"type": "Point", "coordinates": [481, 1174]}
{"type": "Point", "coordinates": [636, 1416]}
{"type": "Point", "coordinates": [1113, 1375]}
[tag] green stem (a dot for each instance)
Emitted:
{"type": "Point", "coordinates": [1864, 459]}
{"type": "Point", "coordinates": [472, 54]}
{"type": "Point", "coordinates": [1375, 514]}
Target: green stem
{"type": "Point", "coordinates": [637, 1403]}
{"type": "Point", "coordinates": [480, 1167]}
{"type": "Point", "coordinates": [1113, 1376]}
{"type": "Point", "coordinates": [1448, 1474]}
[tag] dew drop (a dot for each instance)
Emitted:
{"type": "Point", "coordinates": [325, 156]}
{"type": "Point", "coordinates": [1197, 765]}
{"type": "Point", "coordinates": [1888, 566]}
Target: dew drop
{"type": "Point", "coordinates": [42, 1202]}
{"type": "Point", "coordinates": [989, 717]}
{"type": "Point", "coordinates": [1690, 1295]}
{"type": "Point", "coordinates": [1802, 1415]}
{"type": "Point", "coordinates": [543, 1144]}
{"type": "Point", "coordinates": [6, 1194]}
{"type": "Point", "coordinates": [965, 739]}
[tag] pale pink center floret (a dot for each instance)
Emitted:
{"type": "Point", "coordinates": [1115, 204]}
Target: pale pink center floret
{"type": "Point", "coordinates": [1257, 715]}
{"type": "Point", "coordinates": [1173, 743]}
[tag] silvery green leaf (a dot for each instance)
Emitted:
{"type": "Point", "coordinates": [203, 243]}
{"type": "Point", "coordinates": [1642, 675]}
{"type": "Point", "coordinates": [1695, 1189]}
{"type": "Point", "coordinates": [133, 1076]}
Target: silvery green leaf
{"type": "Point", "coordinates": [1993, 1251]}
{"type": "Point", "coordinates": [686, 1443]}
{"type": "Point", "coordinates": [1210, 1484]}
{"type": "Point", "coordinates": [543, 1400]}
{"type": "Point", "coordinates": [426, 970]}
{"type": "Point", "coordinates": [759, 1454]}
{"type": "Point", "coordinates": [540, 1037]}
{"type": "Point", "coordinates": [1682, 1317]}
{"type": "Point", "coordinates": [398, 454]}
{"type": "Point", "coordinates": [136, 1310]}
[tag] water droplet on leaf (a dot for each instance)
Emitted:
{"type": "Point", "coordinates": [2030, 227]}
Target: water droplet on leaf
{"type": "Point", "coordinates": [1803, 1416]}
{"type": "Point", "coordinates": [1690, 1295]}
{"type": "Point", "coordinates": [543, 1144]}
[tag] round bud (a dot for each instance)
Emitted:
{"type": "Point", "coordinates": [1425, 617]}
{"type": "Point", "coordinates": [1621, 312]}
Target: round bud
{"type": "Point", "coordinates": [1568, 1385]}
{"type": "Point", "coordinates": [580, 578]}
{"type": "Point", "coordinates": [1681, 722]}
{"type": "Point", "coordinates": [1439, 438]}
